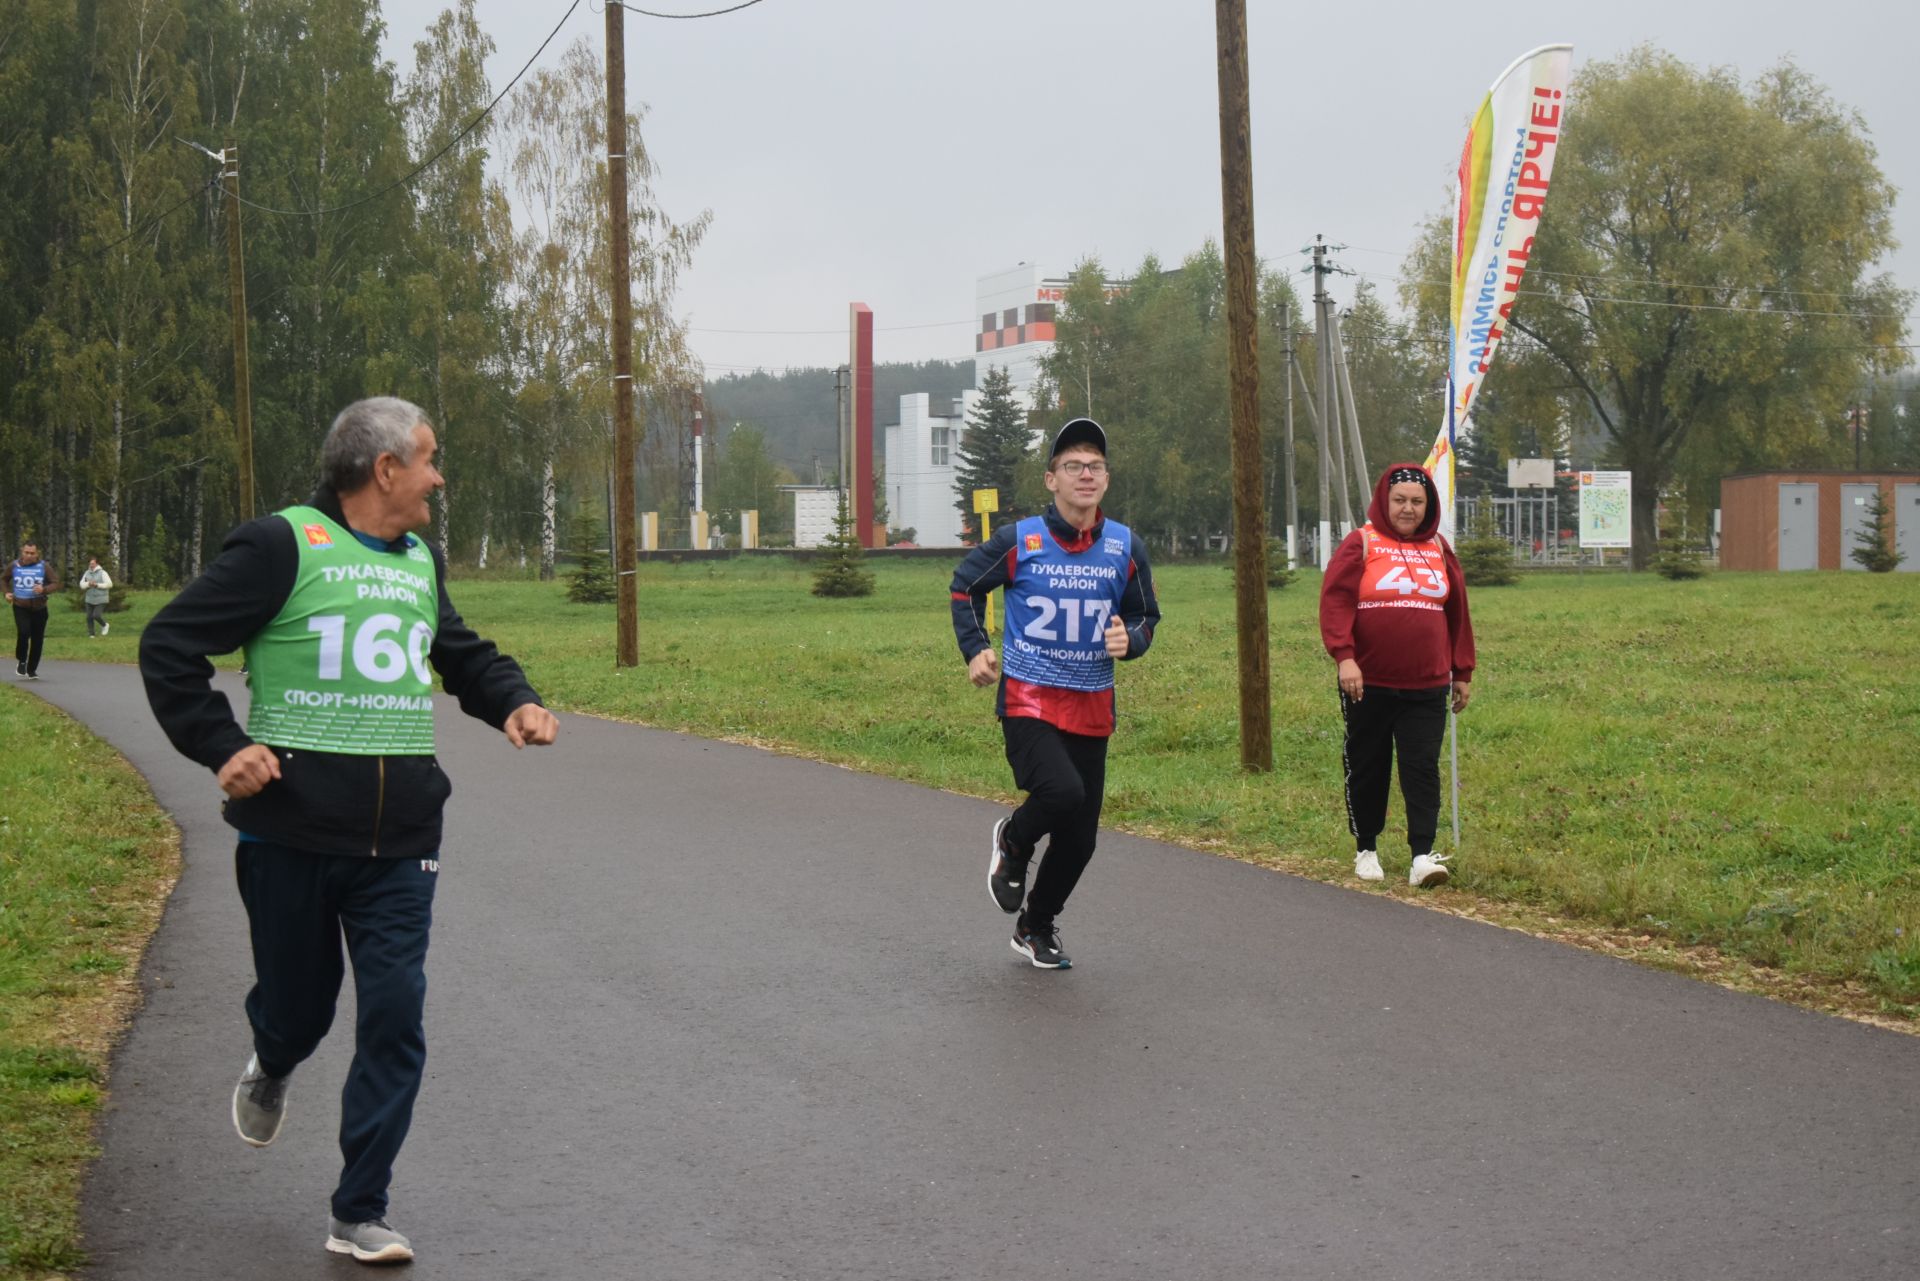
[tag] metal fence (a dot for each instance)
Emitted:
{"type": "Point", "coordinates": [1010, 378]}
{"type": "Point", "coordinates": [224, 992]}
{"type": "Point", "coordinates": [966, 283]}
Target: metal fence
{"type": "Point", "coordinates": [1529, 521]}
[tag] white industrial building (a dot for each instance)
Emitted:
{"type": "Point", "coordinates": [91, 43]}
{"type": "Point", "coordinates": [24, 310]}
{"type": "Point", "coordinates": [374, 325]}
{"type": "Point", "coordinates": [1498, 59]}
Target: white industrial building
{"type": "Point", "coordinates": [922, 452]}
{"type": "Point", "coordinates": [815, 509]}
{"type": "Point", "coordinates": [1016, 309]}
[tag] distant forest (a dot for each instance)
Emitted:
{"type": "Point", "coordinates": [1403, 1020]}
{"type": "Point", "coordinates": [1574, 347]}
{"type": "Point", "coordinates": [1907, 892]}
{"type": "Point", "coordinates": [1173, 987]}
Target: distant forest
{"type": "Point", "coordinates": [795, 409]}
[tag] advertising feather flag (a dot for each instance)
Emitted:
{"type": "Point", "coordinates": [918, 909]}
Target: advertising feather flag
{"type": "Point", "coordinates": [1505, 169]}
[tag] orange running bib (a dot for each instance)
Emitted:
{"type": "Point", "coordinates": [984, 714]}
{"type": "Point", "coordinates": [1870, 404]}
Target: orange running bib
{"type": "Point", "coordinates": [1397, 575]}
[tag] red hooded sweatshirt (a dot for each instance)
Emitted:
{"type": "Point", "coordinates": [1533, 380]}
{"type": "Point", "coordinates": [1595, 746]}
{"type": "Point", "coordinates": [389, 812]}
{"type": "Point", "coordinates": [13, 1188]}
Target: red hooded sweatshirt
{"type": "Point", "coordinates": [1398, 607]}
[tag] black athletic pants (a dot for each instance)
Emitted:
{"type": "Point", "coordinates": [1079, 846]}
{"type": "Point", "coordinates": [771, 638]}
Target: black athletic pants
{"type": "Point", "coordinates": [299, 905]}
{"type": "Point", "coordinates": [1065, 778]}
{"type": "Point", "coordinates": [1411, 721]}
{"type": "Point", "coordinates": [30, 633]}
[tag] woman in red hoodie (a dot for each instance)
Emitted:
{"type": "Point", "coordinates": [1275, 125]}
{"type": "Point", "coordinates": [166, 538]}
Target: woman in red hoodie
{"type": "Point", "coordinates": [1393, 613]}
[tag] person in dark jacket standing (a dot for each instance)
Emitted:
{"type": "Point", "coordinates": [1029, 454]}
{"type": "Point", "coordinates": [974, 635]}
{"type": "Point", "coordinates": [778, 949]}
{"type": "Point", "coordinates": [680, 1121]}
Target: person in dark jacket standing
{"type": "Point", "coordinates": [1393, 615]}
{"type": "Point", "coordinates": [333, 784]}
{"type": "Point", "coordinates": [29, 583]}
{"type": "Point", "coordinates": [1079, 595]}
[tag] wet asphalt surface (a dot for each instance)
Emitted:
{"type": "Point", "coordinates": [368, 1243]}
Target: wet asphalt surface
{"type": "Point", "coordinates": [697, 1011]}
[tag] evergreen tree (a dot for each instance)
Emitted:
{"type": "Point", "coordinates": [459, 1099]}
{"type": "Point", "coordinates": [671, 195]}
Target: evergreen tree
{"type": "Point", "coordinates": [837, 571]}
{"type": "Point", "coordinates": [591, 582]}
{"type": "Point", "coordinates": [996, 439]}
{"type": "Point", "coordinates": [153, 566]}
{"type": "Point", "coordinates": [1873, 548]}
{"type": "Point", "coordinates": [1677, 559]}
{"type": "Point", "coordinates": [1485, 557]}
{"type": "Point", "coordinates": [1278, 575]}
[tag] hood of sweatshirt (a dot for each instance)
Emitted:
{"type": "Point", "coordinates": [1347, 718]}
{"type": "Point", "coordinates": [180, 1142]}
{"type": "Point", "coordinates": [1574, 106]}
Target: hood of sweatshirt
{"type": "Point", "coordinates": [1377, 509]}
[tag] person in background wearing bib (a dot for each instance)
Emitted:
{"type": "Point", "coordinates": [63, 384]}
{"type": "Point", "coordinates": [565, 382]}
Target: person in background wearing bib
{"type": "Point", "coordinates": [29, 583]}
{"type": "Point", "coordinates": [1393, 614]}
{"type": "Point", "coordinates": [1079, 596]}
{"type": "Point", "coordinates": [333, 783]}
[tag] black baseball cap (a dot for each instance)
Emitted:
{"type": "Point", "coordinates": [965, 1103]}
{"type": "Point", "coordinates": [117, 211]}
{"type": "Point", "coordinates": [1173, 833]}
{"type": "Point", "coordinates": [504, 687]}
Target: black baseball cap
{"type": "Point", "coordinates": [1081, 431]}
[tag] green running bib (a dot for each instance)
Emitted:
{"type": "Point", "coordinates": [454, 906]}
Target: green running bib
{"type": "Point", "coordinates": [343, 666]}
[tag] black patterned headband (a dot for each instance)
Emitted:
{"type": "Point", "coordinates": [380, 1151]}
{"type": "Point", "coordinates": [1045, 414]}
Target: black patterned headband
{"type": "Point", "coordinates": [1406, 475]}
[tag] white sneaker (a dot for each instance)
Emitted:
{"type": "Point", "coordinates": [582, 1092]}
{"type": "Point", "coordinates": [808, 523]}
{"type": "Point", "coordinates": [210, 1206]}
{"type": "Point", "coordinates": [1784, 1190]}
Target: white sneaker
{"type": "Point", "coordinates": [1428, 870]}
{"type": "Point", "coordinates": [1366, 866]}
{"type": "Point", "coordinates": [105, 628]}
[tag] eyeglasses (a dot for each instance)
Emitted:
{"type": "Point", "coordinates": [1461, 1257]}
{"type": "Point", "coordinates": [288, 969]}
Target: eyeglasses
{"type": "Point", "coordinates": [1075, 467]}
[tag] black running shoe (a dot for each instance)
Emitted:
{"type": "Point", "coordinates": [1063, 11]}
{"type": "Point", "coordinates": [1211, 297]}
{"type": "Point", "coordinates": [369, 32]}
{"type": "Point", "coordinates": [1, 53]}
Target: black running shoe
{"type": "Point", "coordinates": [1041, 945]}
{"type": "Point", "coordinates": [1006, 873]}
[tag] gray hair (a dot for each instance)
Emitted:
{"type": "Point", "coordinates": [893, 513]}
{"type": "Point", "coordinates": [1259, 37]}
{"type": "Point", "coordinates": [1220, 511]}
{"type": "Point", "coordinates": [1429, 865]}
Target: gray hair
{"type": "Point", "coordinates": [361, 433]}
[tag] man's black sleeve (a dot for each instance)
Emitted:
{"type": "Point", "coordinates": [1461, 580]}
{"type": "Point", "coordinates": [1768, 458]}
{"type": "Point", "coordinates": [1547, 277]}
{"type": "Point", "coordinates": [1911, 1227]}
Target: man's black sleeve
{"type": "Point", "coordinates": [488, 684]}
{"type": "Point", "coordinates": [984, 569]}
{"type": "Point", "coordinates": [1139, 607]}
{"type": "Point", "coordinates": [216, 614]}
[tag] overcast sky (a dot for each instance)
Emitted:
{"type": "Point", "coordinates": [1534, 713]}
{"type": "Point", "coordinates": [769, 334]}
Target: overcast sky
{"type": "Point", "coordinates": [891, 151]}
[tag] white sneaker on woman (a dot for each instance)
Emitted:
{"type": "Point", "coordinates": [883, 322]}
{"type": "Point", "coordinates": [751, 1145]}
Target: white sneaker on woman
{"type": "Point", "coordinates": [1366, 866]}
{"type": "Point", "coordinates": [1428, 870]}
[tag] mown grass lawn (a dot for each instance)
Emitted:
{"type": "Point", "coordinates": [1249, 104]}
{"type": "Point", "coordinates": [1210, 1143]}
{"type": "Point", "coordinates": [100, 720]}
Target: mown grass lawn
{"type": "Point", "coordinates": [86, 858]}
{"type": "Point", "coordinates": [1727, 763]}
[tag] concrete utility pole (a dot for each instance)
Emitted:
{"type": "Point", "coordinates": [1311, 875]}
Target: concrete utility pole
{"type": "Point", "coordinates": [1336, 457]}
{"type": "Point", "coordinates": [1362, 474]}
{"type": "Point", "coordinates": [1319, 431]}
{"type": "Point", "coordinates": [842, 383]}
{"type": "Point", "coordinates": [237, 297]}
{"type": "Point", "coordinates": [1323, 540]}
{"type": "Point", "coordinates": [626, 559]}
{"type": "Point", "coordinates": [1243, 376]}
{"type": "Point", "coordinates": [1293, 493]}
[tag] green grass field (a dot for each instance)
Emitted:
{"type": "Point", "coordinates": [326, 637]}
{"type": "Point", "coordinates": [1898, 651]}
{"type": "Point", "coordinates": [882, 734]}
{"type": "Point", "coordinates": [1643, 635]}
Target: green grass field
{"type": "Point", "coordinates": [1726, 762]}
{"type": "Point", "coordinates": [85, 860]}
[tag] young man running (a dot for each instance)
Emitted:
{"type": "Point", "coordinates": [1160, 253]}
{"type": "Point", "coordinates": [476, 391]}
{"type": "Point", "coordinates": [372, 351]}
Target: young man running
{"type": "Point", "coordinates": [1079, 595]}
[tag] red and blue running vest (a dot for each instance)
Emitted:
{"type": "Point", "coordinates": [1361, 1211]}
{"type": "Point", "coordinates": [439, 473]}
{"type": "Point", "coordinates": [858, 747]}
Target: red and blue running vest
{"type": "Point", "coordinates": [1058, 605]}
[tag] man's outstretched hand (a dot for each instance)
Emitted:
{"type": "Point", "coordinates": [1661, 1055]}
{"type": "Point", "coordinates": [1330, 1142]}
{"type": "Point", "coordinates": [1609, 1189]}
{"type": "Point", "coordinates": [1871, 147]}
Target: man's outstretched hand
{"type": "Point", "coordinates": [531, 725]}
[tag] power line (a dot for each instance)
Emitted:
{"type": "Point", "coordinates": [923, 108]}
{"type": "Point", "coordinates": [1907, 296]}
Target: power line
{"type": "Point", "coordinates": [748, 4]}
{"type": "Point", "coordinates": [882, 329]}
{"type": "Point", "coordinates": [1632, 280]}
{"type": "Point", "coordinates": [422, 167]}
{"type": "Point", "coordinates": [1677, 306]}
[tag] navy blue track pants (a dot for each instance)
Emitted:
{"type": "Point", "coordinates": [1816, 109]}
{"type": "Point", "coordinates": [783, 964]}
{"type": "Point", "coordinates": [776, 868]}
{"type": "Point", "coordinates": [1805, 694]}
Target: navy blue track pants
{"type": "Point", "coordinates": [300, 906]}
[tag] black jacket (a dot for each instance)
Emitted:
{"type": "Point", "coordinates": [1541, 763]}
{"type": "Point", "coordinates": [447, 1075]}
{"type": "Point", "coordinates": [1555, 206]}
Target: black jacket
{"type": "Point", "coordinates": [327, 802]}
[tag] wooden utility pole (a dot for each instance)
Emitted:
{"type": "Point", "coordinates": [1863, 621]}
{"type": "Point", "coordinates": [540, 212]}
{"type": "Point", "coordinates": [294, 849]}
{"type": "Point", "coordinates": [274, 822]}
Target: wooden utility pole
{"type": "Point", "coordinates": [237, 299]}
{"type": "Point", "coordinates": [1243, 377]}
{"type": "Point", "coordinates": [626, 559]}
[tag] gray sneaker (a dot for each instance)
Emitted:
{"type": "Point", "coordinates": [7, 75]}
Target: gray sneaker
{"type": "Point", "coordinates": [259, 1104]}
{"type": "Point", "coordinates": [369, 1242]}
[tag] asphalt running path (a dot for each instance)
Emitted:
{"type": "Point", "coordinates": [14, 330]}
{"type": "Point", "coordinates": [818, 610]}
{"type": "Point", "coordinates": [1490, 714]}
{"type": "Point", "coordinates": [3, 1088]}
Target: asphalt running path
{"type": "Point", "coordinates": [702, 1012]}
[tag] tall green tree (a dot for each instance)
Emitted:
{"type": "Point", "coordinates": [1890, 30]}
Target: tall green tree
{"type": "Point", "coordinates": [322, 136]}
{"type": "Point", "coordinates": [556, 159]}
{"type": "Point", "coordinates": [1703, 279]}
{"type": "Point", "coordinates": [123, 358]}
{"type": "Point", "coordinates": [436, 316]}
{"type": "Point", "coordinates": [996, 440]}
{"type": "Point", "coordinates": [746, 478]}
{"type": "Point", "coordinates": [1149, 356]}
